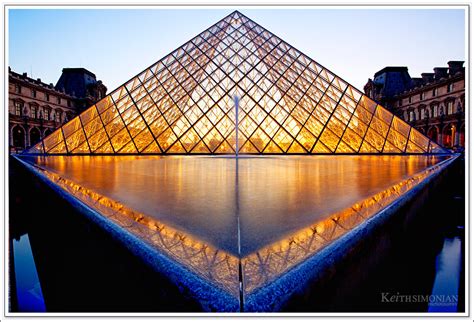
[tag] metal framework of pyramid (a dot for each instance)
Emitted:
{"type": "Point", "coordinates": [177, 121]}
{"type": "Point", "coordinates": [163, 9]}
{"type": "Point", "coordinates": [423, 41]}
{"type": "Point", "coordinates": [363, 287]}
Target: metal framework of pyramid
{"type": "Point", "coordinates": [186, 103]}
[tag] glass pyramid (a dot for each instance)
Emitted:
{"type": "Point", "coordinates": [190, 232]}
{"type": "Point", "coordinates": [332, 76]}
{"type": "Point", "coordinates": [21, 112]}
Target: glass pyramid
{"type": "Point", "coordinates": [187, 102]}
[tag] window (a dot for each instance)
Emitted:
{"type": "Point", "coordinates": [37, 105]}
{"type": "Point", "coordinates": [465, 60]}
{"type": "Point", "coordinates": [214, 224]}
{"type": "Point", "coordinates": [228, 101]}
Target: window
{"type": "Point", "coordinates": [33, 112]}
{"type": "Point", "coordinates": [33, 93]}
{"type": "Point", "coordinates": [450, 87]}
{"type": "Point", "coordinates": [18, 108]}
{"type": "Point", "coordinates": [58, 116]}
{"type": "Point", "coordinates": [441, 110]}
{"type": "Point", "coordinates": [46, 96]}
{"type": "Point", "coordinates": [422, 114]}
{"type": "Point", "coordinates": [46, 114]}
{"type": "Point", "coordinates": [435, 92]}
{"type": "Point", "coordinates": [422, 96]}
{"type": "Point", "coordinates": [450, 107]}
{"type": "Point", "coordinates": [17, 89]}
{"type": "Point", "coordinates": [59, 100]}
{"type": "Point", "coordinates": [68, 103]}
{"type": "Point", "coordinates": [412, 116]}
{"type": "Point", "coordinates": [409, 99]}
{"type": "Point", "coordinates": [435, 110]}
{"type": "Point", "coordinates": [400, 103]}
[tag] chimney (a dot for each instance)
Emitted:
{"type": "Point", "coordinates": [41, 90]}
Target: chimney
{"type": "Point", "coordinates": [455, 66]}
{"type": "Point", "coordinates": [24, 75]}
{"type": "Point", "coordinates": [38, 80]}
{"type": "Point", "coordinates": [440, 72]}
{"type": "Point", "coordinates": [427, 77]}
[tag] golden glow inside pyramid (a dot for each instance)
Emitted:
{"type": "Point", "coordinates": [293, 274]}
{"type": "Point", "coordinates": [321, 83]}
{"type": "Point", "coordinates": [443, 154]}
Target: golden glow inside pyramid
{"type": "Point", "coordinates": [187, 102]}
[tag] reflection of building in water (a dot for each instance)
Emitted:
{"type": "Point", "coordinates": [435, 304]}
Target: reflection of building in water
{"type": "Point", "coordinates": [36, 109]}
{"type": "Point", "coordinates": [434, 104]}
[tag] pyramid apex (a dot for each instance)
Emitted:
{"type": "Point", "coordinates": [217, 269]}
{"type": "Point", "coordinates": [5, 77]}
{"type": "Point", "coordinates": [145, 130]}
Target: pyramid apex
{"type": "Point", "coordinates": [236, 13]}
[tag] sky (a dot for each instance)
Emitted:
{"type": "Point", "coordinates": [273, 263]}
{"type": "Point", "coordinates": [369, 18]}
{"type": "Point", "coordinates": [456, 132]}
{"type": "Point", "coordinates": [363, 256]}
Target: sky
{"type": "Point", "coordinates": [117, 44]}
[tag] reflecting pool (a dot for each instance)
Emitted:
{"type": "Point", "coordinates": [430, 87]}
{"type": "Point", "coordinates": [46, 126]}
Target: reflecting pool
{"type": "Point", "coordinates": [271, 196]}
{"type": "Point", "coordinates": [237, 223]}
{"type": "Point", "coordinates": [203, 196]}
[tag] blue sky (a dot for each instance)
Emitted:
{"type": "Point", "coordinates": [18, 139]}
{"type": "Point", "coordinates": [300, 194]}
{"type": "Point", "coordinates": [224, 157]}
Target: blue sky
{"type": "Point", "coordinates": [118, 44]}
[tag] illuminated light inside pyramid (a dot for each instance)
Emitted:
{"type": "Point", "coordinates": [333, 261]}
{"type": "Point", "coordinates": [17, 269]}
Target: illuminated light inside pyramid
{"type": "Point", "coordinates": [288, 103]}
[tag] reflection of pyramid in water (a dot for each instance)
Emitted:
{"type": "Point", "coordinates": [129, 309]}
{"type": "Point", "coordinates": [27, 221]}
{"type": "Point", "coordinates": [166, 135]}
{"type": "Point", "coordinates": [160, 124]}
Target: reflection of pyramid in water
{"type": "Point", "coordinates": [184, 103]}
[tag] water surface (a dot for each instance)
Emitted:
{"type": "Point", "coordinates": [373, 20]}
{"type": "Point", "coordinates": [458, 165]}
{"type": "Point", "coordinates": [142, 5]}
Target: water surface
{"type": "Point", "coordinates": [272, 196]}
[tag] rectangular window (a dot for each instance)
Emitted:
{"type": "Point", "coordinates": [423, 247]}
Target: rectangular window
{"type": "Point", "coordinates": [422, 114]}
{"type": "Point", "coordinates": [59, 100]}
{"type": "Point", "coordinates": [46, 115]}
{"type": "Point", "coordinates": [409, 99]}
{"type": "Point", "coordinates": [46, 96]}
{"type": "Point", "coordinates": [450, 87]}
{"type": "Point", "coordinates": [17, 89]}
{"type": "Point", "coordinates": [68, 103]}
{"type": "Point", "coordinates": [435, 110]}
{"type": "Point", "coordinates": [435, 92]}
{"type": "Point", "coordinates": [412, 116]}
{"type": "Point", "coordinates": [450, 107]}
{"type": "Point", "coordinates": [58, 116]}
{"type": "Point", "coordinates": [33, 93]}
{"type": "Point", "coordinates": [33, 112]}
{"type": "Point", "coordinates": [422, 96]}
{"type": "Point", "coordinates": [18, 108]}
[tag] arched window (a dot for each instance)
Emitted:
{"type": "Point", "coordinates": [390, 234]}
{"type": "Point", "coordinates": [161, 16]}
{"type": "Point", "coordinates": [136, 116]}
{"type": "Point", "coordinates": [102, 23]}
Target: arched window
{"type": "Point", "coordinates": [18, 136]}
{"type": "Point", "coordinates": [449, 134]}
{"type": "Point", "coordinates": [433, 134]}
{"type": "Point", "coordinates": [35, 136]}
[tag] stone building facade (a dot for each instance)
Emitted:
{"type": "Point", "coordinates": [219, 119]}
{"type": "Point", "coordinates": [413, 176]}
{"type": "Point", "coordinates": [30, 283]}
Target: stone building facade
{"type": "Point", "coordinates": [434, 104]}
{"type": "Point", "coordinates": [36, 109]}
